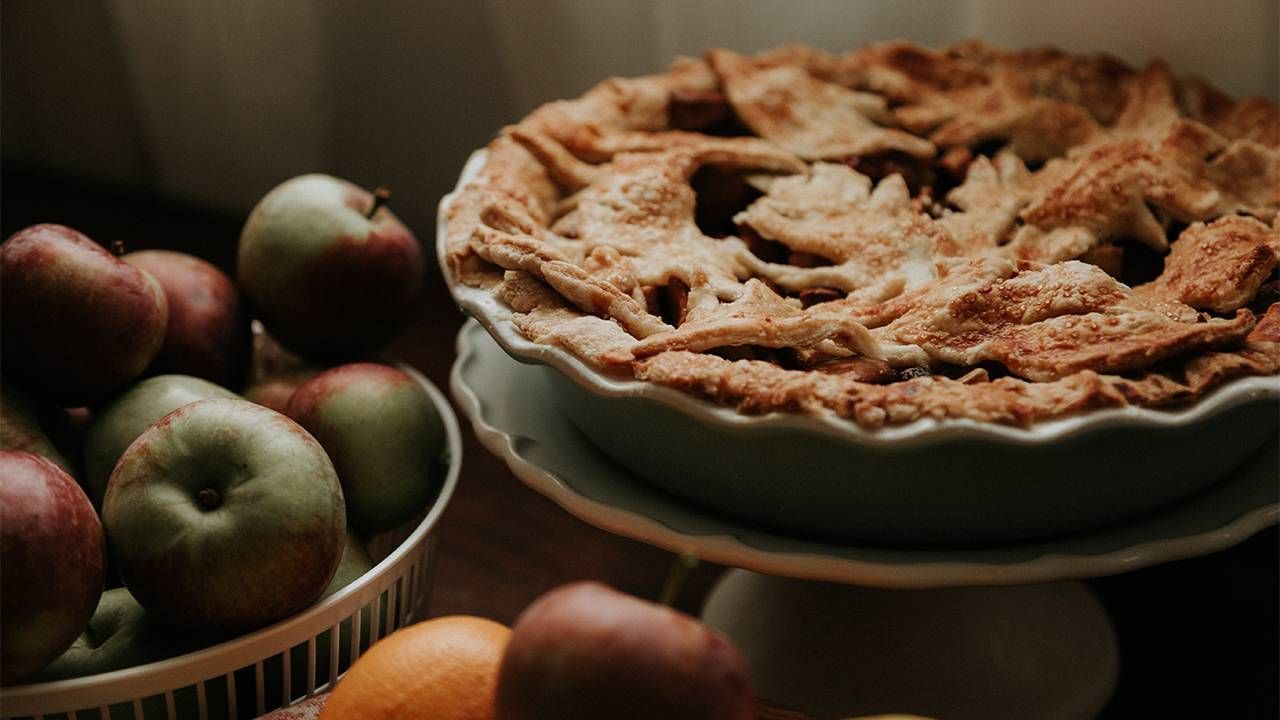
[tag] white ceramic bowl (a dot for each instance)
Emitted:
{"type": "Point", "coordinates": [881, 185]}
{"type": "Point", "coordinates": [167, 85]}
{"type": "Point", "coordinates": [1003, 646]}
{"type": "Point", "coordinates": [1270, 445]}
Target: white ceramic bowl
{"type": "Point", "coordinates": [279, 665]}
{"type": "Point", "coordinates": [929, 482]}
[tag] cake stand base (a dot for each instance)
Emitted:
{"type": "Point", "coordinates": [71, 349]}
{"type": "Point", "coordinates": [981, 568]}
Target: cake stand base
{"type": "Point", "coordinates": [834, 651]}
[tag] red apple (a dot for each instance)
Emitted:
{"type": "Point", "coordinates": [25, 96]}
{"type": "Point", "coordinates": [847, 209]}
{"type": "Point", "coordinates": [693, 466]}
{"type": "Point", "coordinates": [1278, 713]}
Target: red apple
{"type": "Point", "coordinates": [52, 556]}
{"type": "Point", "coordinates": [270, 358]}
{"type": "Point", "coordinates": [225, 516]}
{"type": "Point", "coordinates": [585, 651]}
{"type": "Point", "coordinates": [274, 392]}
{"type": "Point", "coordinates": [275, 373]}
{"type": "Point", "coordinates": [76, 323]}
{"type": "Point", "coordinates": [208, 331]}
{"type": "Point", "coordinates": [331, 272]}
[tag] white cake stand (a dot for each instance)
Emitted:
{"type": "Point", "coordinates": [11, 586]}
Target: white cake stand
{"type": "Point", "coordinates": [835, 630]}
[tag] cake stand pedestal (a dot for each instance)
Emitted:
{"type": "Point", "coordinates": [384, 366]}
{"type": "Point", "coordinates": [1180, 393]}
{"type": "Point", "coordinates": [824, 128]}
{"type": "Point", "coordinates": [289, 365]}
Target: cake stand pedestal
{"type": "Point", "coordinates": [835, 630]}
{"type": "Point", "coordinates": [831, 651]}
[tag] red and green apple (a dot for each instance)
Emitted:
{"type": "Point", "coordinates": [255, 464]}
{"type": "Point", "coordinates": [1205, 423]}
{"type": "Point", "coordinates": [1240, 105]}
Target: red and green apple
{"type": "Point", "coordinates": [330, 270]}
{"type": "Point", "coordinates": [225, 515]}
{"type": "Point", "coordinates": [385, 438]}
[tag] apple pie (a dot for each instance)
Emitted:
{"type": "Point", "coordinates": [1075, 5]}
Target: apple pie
{"type": "Point", "coordinates": [891, 234]}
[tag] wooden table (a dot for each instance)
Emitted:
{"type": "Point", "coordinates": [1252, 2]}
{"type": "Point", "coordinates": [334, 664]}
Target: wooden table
{"type": "Point", "coordinates": [1198, 638]}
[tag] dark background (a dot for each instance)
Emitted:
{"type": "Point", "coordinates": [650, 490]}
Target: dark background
{"type": "Point", "coordinates": [171, 154]}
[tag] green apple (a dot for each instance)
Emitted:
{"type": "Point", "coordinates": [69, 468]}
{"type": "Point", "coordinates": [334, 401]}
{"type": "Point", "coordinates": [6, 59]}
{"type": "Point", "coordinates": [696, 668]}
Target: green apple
{"type": "Point", "coordinates": [384, 436]}
{"type": "Point", "coordinates": [30, 426]}
{"type": "Point", "coordinates": [355, 563]}
{"type": "Point", "coordinates": [121, 634]}
{"type": "Point", "coordinates": [331, 272]}
{"type": "Point", "coordinates": [225, 515]}
{"type": "Point", "coordinates": [129, 415]}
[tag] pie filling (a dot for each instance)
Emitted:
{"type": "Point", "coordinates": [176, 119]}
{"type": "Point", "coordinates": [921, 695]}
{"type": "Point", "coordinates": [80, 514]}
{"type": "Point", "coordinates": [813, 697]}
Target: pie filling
{"type": "Point", "coordinates": [891, 234]}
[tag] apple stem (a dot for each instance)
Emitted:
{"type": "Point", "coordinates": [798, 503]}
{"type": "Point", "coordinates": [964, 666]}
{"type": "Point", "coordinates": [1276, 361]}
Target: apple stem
{"type": "Point", "coordinates": [381, 195]}
{"type": "Point", "coordinates": [117, 248]}
{"type": "Point", "coordinates": [684, 564]}
{"type": "Point", "coordinates": [208, 498]}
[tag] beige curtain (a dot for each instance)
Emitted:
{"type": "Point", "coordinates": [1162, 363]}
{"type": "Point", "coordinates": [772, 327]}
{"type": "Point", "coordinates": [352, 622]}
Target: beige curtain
{"type": "Point", "coordinates": [217, 100]}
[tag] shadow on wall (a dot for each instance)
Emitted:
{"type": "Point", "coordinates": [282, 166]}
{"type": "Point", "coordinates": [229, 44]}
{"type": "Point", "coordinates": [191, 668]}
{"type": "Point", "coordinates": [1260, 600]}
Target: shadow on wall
{"type": "Point", "coordinates": [216, 102]}
{"type": "Point", "coordinates": [66, 100]}
{"type": "Point", "coordinates": [423, 92]}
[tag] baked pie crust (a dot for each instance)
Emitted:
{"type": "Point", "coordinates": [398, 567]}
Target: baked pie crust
{"type": "Point", "coordinates": [891, 234]}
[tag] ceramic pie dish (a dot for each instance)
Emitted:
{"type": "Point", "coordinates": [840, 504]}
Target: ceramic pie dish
{"type": "Point", "coordinates": [513, 410]}
{"type": "Point", "coordinates": [932, 482]}
{"type": "Point", "coordinates": [864, 348]}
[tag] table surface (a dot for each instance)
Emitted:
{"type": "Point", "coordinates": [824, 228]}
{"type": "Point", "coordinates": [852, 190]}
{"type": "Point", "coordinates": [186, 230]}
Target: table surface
{"type": "Point", "coordinates": [1199, 637]}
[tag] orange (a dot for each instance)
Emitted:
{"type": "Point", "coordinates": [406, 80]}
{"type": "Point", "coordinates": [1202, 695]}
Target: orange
{"type": "Point", "coordinates": [442, 669]}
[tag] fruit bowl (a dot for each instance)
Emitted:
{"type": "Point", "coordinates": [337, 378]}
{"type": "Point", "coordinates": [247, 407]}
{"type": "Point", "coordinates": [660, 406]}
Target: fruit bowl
{"type": "Point", "coordinates": [925, 483]}
{"type": "Point", "coordinates": [280, 665]}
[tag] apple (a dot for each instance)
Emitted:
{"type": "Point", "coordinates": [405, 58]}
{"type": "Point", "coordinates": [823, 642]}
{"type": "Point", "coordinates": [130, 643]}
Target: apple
{"type": "Point", "coordinates": [331, 272]}
{"type": "Point", "coordinates": [76, 323]}
{"type": "Point", "coordinates": [385, 438]}
{"type": "Point", "coordinates": [270, 358]}
{"type": "Point", "coordinates": [121, 634]}
{"type": "Point", "coordinates": [274, 392]}
{"type": "Point", "coordinates": [355, 562]}
{"type": "Point", "coordinates": [78, 419]}
{"type": "Point", "coordinates": [225, 515]}
{"type": "Point", "coordinates": [52, 555]}
{"type": "Point", "coordinates": [28, 425]}
{"type": "Point", "coordinates": [208, 331]}
{"type": "Point", "coordinates": [275, 373]}
{"type": "Point", "coordinates": [585, 651]}
{"type": "Point", "coordinates": [117, 425]}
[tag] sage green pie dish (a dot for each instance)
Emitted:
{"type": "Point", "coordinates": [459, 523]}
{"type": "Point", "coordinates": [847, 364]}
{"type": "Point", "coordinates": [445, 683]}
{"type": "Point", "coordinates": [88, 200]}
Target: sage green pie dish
{"type": "Point", "coordinates": [926, 483]}
{"type": "Point", "coordinates": [947, 483]}
{"type": "Point", "coordinates": [511, 408]}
